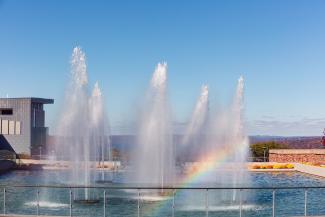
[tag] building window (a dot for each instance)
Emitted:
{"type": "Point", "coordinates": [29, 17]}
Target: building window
{"type": "Point", "coordinates": [5, 127]}
{"type": "Point", "coordinates": [11, 127]}
{"type": "Point", "coordinates": [6, 111]}
{"type": "Point", "coordinates": [18, 128]}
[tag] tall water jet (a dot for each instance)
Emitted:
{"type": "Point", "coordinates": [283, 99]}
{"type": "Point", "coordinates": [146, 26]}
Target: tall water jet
{"type": "Point", "coordinates": [154, 154]}
{"type": "Point", "coordinates": [99, 128]}
{"type": "Point", "coordinates": [195, 132]}
{"type": "Point", "coordinates": [228, 138]}
{"type": "Point", "coordinates": [223, 162]}
{"type": "Point", "coordinates": [238, 140]}
{"type": "Point", "coordinates": [81, 127]}
{"type": "Point", "coordinates": [73, 127]}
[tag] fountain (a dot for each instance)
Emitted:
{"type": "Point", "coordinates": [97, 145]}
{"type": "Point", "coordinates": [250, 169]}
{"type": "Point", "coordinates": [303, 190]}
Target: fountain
{"type": "Point", "coordinates": [84, 135]}
{"type": "Point", "coordinates": [154, 153]}
{"type": "Point", "coordinates": [195, 131]}
{"type": "Point", "coordinates": [100, 130]}
{"type": "Point", "coordinates": [221, 152]}
{"type": "Point", "coordinates": [82, 128]}
{"type": "Point", "coordinates": [227, 140]}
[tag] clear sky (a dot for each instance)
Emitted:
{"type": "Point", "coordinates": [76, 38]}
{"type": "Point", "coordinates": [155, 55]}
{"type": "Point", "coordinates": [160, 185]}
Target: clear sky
{"type": "Point", "coordinates": [278, 46]}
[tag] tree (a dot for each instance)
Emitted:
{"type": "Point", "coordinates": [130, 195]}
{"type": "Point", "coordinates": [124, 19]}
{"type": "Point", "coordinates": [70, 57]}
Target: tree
{"type": "Point", "coordinates": [258, 149]}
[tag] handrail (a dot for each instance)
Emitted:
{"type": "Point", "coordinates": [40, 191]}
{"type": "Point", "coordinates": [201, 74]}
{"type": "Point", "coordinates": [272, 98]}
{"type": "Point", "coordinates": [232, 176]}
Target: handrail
{"type": "Point", "coordinates": [166, 188]}
{"type": "Point", "coordinates": [139, 188]}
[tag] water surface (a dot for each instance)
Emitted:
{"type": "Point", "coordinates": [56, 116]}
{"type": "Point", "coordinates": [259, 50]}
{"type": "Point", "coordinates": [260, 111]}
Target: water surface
{"type": "Point", "coordinates": [188, 203]}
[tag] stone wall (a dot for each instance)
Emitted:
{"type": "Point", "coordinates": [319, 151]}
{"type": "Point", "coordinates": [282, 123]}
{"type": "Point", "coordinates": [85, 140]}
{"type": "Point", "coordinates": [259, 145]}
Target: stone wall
{"type": "Point", "coordinates": [297, 155]}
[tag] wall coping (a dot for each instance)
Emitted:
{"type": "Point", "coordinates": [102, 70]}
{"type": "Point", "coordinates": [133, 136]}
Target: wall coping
{"type": "Point", "coordinates": [297, 151]}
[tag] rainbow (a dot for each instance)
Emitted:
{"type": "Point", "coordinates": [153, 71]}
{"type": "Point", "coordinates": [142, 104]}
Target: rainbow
{"type": "Point", "coordinates": [206, 163]}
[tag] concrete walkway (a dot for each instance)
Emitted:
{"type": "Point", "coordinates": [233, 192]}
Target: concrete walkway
{"type": "Point", "coordinates": [312, 170]}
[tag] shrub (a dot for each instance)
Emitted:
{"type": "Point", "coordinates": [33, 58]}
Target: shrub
{"type": "Point", "coordinates": [269, 166]}
{"type": "Point", "coordinates": [264, 167]}
{"type": "Point", "coordinates": [256, 167]}
{"type": "Point", "coordinates": [279, 166]}
{"type": "Point", "coordinates": [257, 149]}
{"type": "Point", "coordinates": [274, 166]}
{"type": "Point", "coordinates": [290, 166]}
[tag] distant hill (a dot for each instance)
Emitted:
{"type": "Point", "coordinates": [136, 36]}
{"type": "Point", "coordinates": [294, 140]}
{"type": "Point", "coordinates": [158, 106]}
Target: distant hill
{"type": "Point", "coordinates": [292, 142]}
{"type": "Point", "coordinates": [126, 142]}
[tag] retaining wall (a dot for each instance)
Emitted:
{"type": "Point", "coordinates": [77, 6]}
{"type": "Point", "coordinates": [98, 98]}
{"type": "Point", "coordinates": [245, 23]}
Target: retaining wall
{"type": "Point", "coordinates": [297, 155]}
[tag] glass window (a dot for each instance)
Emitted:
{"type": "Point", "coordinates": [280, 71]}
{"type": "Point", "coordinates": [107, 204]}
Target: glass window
{"type": "Point", "coordinates": [6, 111]}
{"type": "Point", "coordinates": [5, 127]}
{"type": "Point", "coordinates": [18, 128]}
{"type": "Point", "coordinates": [11, 127]}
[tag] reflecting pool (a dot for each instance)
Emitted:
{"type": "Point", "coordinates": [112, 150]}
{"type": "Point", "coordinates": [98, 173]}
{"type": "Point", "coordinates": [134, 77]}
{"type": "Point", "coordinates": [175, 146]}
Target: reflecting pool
{"type": "Point", "coordinates": [186, 203]}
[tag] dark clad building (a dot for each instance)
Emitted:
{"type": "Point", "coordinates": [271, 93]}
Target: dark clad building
{"type": "Point", "coordinates": [22, 124]}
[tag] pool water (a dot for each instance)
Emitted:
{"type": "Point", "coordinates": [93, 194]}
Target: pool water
{"type": "Point", "coordinates": [187, 203]}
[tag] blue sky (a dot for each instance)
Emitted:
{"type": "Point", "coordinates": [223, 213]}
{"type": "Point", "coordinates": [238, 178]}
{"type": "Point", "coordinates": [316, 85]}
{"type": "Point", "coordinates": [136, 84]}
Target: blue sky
{"type": "Point", "coordinates": [278, 46]}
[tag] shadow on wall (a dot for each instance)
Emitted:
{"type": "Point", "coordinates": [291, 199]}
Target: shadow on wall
{"type": "Point", "coordinates": [7, 155]}
{"type": "Point", "coordinates": [4, 144]}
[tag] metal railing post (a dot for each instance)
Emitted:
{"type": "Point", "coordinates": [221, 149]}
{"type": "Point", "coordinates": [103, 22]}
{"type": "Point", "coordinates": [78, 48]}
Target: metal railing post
{"type": "Point", "coordinates": [207, 203]}
{"type": "Point", "coordinates": [104, 203]}
{"type": "Point", "coordinates": [273, 203]}
{"type": "Point", "coordinates": [70, 202]}
{"type": "Point", "coordinates": [173, 205]}
{"type": "Point", "coordinates": [138, 202]}
{"type": "Point", "coordinates": [4, 201]}
{"type": "Point", "coordinates": [37, 205]}
{"type": "Point", "coordinates": [306, 202]}
{"type": "Point", "coordinates": [240, 203]}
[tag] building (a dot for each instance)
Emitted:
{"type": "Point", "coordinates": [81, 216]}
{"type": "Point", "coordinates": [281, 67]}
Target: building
{"type": "Point", "coordinates": [22, 125]}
